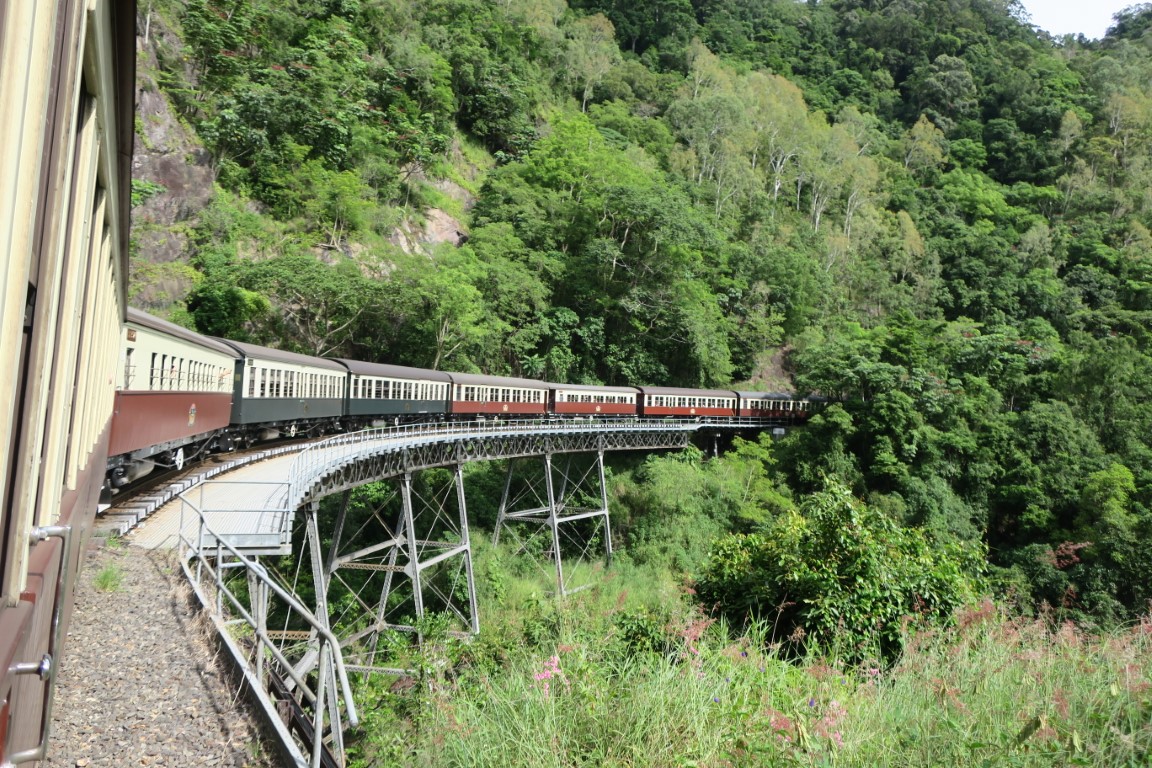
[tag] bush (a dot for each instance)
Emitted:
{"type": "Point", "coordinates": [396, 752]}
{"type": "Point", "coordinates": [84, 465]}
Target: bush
{"type": "Point", "coordinates": [839, 571]}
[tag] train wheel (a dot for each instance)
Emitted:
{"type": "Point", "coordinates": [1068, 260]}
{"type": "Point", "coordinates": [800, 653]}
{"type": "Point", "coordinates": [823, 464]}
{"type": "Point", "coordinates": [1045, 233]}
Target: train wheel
{"type": "Point", "coordinates": [178, 458]}
{"type": "Point", "coordinates": [292, 431]}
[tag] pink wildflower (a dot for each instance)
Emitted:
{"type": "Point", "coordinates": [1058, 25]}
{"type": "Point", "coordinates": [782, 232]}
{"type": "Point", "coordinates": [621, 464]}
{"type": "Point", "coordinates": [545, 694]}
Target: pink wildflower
{"type": "Point", "coordinates": [551, 671]}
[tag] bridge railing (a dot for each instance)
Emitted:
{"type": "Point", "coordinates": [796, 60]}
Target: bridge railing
{"type": "Point", "coordinates": [324, 456]}
{"type": "Point", "coordinates": [207, 559]}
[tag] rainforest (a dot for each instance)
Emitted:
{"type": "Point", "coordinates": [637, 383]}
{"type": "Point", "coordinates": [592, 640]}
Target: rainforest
{"type": "Point", "coordinates": [930, 214]}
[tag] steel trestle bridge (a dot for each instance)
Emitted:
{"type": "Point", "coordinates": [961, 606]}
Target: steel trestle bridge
{"type": "Point", "coordinates": [394, 560]}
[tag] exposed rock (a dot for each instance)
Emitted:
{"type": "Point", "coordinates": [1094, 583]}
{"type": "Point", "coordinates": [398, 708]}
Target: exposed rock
{"type": "Point", "coordinates": [771, 374]}
{"type": "Point", "coordinates": [167, 154]}
{"type": "Point", "coordinates": [438, 227]}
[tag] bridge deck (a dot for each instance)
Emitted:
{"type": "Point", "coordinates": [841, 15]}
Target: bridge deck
{"type": "Point", "coordinates": [251, 502]}
{"type": "Point", "coordinates": [252, 509]}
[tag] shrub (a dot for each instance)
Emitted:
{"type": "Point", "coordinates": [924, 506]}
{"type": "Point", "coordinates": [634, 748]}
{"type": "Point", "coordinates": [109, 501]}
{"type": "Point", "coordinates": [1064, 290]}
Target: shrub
{"type": "Point", "coordinates": [839, 571]}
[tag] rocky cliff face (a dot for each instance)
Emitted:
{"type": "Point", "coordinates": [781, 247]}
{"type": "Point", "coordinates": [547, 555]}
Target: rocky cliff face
{"type": "Point", "coordinates": [172, 171]}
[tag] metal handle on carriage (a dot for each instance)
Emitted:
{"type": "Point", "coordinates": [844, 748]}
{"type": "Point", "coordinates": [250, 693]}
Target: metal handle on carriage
{"type": "Point", "coordinates": [45, 669]}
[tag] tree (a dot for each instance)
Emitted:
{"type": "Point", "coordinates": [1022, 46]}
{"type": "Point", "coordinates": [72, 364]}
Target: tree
{"type": "Point", "coordinates": [591, 54]}
{"type": "Point", "coordinates": [838, 573]}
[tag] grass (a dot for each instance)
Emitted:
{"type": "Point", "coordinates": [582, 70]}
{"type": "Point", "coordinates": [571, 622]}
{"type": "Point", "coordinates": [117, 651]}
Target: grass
{"type": "Point", "coordinates": [996, 691]}
{"type": "Point", "coordinates": [108, 578]}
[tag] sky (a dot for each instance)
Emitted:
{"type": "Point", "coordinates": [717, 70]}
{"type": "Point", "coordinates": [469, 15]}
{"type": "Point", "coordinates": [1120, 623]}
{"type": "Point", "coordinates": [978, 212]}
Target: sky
{"type": "Point", "coordinates": [1090, 17]}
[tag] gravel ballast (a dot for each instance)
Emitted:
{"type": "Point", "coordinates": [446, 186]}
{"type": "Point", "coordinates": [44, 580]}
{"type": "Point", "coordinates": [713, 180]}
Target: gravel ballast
{"type": "Point", "coordinates": [142, 681]}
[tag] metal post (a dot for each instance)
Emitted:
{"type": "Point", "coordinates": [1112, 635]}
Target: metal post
{"type": "Point", "coordinates": [503, 504]}
{"type": "Point", "coordinates": [338, 532]}
{"type": "Point", "coordinates": [413, 567]}
{"type": "Point", "coordinates": [554, 524]}
{"type": "Point", "coordinates": [604, 506]}
{"type": "Point", "coordinates": [259, 597]}
{"type": "Point", "coordinates": [465, 540]}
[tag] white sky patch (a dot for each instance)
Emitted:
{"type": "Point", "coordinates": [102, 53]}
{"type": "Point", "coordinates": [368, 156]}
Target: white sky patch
{"type": "Point", "coordinates": [1088, 17]}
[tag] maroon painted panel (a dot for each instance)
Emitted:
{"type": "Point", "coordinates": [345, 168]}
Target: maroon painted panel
{"type": "Point", "coordinates": [26, 627]}
{"type": "Point", "coordinates": [141, 419]}
{"type": "Point", "coordinates": [767, 413]}
{"type": "Point", "coordinates": [653, 410]}
{"type": "Point", "coordinates": [500, 408]}
{"type": "Point", "coordinates": [598, 409]}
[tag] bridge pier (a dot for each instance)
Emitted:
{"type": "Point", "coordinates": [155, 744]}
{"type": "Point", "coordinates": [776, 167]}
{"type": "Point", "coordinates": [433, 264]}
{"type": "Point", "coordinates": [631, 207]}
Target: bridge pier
{"type": "Point", "coordinates": [409, 533]}
{"type": "Point", "coordinates": [419, 561]}
{"type": "Point", "coordinates": [568, 502]}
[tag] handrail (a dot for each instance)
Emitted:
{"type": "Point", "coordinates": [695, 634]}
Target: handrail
{"type": "Point", "coordinates": [46, 668]}
{"type": "Point", "coordinates": [314, 460]}
{"type": "Point", "coordinates": [219, 546]}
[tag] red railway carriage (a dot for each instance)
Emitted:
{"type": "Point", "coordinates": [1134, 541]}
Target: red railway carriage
{"type": "Point", "coordinates": [174, 388]}
{"type": "Point", "coordinates": [587, 400]}
{"type": "Point", "coordinates": [677, 401]}
{"type": "Point", "coordinates": [475, 394]}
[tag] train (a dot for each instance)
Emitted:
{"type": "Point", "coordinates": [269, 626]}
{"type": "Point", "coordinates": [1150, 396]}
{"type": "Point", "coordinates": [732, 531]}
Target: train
{"type": "Point", "coordinates": [67, 84]}
{"type": "Point", "coordinates": [181, 395]}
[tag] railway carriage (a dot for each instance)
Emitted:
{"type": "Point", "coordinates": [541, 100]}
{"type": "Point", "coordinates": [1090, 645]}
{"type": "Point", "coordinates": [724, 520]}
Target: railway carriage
{"type": "Point", "coordinates": [677, 401]}
{"type": "Point", "coordinates": [278, 392]}
{"type": "Point", "coordinates": [586, 400]}
{"type": "Point", "coordinates": [376, 390]}
{"type": "Point", "coordinates": [174, 390]}
{"type": "Point", "coordinates": [478, 395]}
{"type": "Point", "coordinates": [772, 405]}
{"type": "Point", "coordinates": [67, 71]}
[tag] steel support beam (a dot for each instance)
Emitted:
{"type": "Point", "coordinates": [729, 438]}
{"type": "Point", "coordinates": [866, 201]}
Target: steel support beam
{"type": "Point", "coordinates": [553, 504]}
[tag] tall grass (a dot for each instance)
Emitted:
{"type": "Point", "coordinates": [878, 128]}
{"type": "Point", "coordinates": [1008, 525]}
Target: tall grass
{"type": "Point", "coordinates": [997, 691]}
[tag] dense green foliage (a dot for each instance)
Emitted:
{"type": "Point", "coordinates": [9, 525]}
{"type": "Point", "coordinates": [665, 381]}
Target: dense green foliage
{"type": "Point", "coordinates": [927, 212]}
{"type": "Point", "coordinates": [838, 572]}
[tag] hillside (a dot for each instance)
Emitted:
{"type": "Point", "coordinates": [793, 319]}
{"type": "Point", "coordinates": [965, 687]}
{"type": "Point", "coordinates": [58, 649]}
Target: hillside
{"type": "Point", "coordinates": [929, 213]}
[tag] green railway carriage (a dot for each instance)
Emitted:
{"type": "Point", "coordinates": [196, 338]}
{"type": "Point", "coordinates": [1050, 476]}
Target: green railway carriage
{"type": "Point", "coordinates": [376, 390]}
{"type": "Point", "coordinates": [273, 387]}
